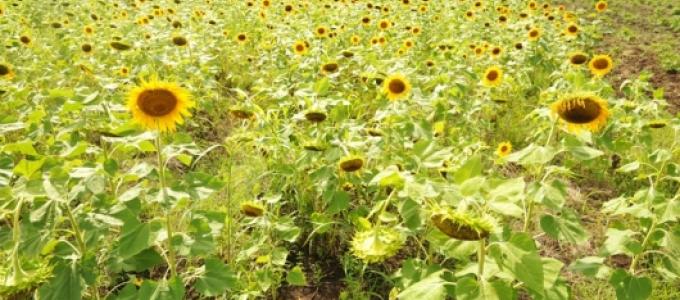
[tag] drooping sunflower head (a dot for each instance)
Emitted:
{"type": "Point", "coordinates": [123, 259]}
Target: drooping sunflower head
{"type": "Point", "coordinates": [87, 48]}
{"type": "Point", "coordinates": [300, 48]}
{"type": "Point", "coordinates": [315, 115]}
{"type": "Point", "coordinates": [252, 209]}
{"type": "Point", "coordinates": [578, 58]}
{"type": "Point", "coordinates": [329, 68]}
{"type": "Point", "coordinates": [583, 111]}
{"type": "Point", "coordinates": [159, 105]}
{"type": "Point", "coordinates": [657, 124]}
{"type": "Point", "coordinates": [601, 6]}
{"type": "Point", "coordinates": [601, 65]}
{"type": "Point", "coordinates": [396, 87]}
{"type": "Point", "coordinates": [504, 149]}
{"type": "Point", "coordinates": [179, 41]}
{"type": "Point", "coordinates": [378, 243]}
{"type": "Point", "coordinates": [493, 77]}
{"type": "Point", "coordinates": [462, 225]}
{"type": "Point", "coordinates": [351, 163]}
{"type": "Point", "coordinates": [25, 39]}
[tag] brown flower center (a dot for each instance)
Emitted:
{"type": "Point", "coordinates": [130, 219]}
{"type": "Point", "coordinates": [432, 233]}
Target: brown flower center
{"type": "Point", "coordinates": [601, 64]}
{"type": "Point", "coordinates": [396, 86]}
{"type": "Point", "coordinates": [492, 75]}
{"type": "Point", "coordinates": [580, 112]}
{"type": "Point", "coordinates": [4, 70]}
{"type": "Point", "coordinates": [578, 59]}
{"type": "Point", "coordinates": [157, 102]}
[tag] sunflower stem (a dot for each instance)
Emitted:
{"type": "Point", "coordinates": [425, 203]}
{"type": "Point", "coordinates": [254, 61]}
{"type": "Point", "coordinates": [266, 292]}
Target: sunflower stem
{"type": "Point", "coordinates": [16, 237]}
{"type": "Point", "coordinates": [481, 255]}
{"type": "Point", "coordinates": [645, 243]}
{"type": "Point", "coordinates": [168, 224]}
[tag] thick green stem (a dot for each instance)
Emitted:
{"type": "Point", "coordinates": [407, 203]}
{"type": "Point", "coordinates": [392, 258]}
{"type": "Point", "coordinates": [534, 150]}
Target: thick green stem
{"type": "Point", "coordinates": [645, 243]}
{"type": "Point", "coordinates": [481, 255]}
{"type": "Point", "coordinates": [168, 224]}
{"type": "Point", "coordinates": [527, 216]}
{"type": "Point", "coordinates": [76, 230]}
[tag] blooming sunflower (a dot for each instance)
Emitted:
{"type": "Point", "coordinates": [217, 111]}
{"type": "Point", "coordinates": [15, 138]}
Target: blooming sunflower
{"type": "Point", "coordinates": [504, 149]}
{"type": "Point", "coordinates": [601, 65]}
{"type": "Point", "coordinates": [384, 24]}
{"type": "Point", "coordinates": [396, 86]}
{"type": "Point", "coordinates": [321, 31]}
{"type": "Point", "coordinates": [534, 34]}
{"type": "Point", "coordinates": [493, 77]}
{"type": "Point", "coordinates": [300, 48]}
{"type": "Point", "coordinates": [159, 105]}
{"type": "Point", "coordinates": [582, 111]}
{"type": "Point", "coordinates": [601, 6]}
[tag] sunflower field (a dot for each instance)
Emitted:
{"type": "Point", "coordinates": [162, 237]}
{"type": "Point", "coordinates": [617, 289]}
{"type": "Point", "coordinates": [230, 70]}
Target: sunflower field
{"type": "Point", "coordinates": [330, 149]}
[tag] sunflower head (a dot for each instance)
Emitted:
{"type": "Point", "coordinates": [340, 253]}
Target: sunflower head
{"type": "Point", "coordinates": [462, 225]}
{"type": "Point", "coordinates": [578, 58]}
{"type": "Point", "coordinates": [582, 111]}
{"type": "Point", "coordinates": [396, 87]}
{"type": "Point", "coordinates": [534, 34]}
{"type": "Point", "coordinates": [120, 46]}
{"type": "Point", "coordinates": [252, 209]}
{"type": "Point", "coordinates": [504, 149]}
{"type": "Point", "coordinates": [179, 41]}
{"type": "Point", "coordinates": [571, 29]}
{"type": "Point", "coordinates": [241, 38]}
{"type": "Point", "coordinates": [657, 124]}
{"type": "Point", "coordinates": [24, 39]}
{"type": "Point", "coordinates": [377, 243]}
{"type": "Point", "coordinates": [6, 71]}
{"type": "Point", "coordinates": [601, 6]}
{"type": "Point", "coordinates": [315, 115]}
{"type": "Point", "coordinates": [493, 77]}
{"type": "Point", "coordinates": [321, 31]}
{"type": "Point", "coordinates": [329, 68]}
{"type": "Point", "coordinates": [316, 146]}
{"type": "Point", "coordinates": [601, 65]}
{"type": "Point", "coordinates": [159, 105]}
{"type": "Point", "coordinates": [300, 48]}
{"type": "Point", "coordinates": [384, 24]}
{"type": "Point", "coordinates": [351, 163]}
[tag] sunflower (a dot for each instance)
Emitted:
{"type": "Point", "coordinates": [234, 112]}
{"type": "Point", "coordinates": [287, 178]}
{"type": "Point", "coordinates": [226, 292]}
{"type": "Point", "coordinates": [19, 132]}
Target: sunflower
{"type": "Point", "coordinates": [504, 149]}
{"type": "Point", "coordinates": [493, 77]}
{"type": "Point", "coordinates": [408, 43]}
{"type": "Point", "coordinates": [351, 163]}
{"type": "Point", "coordinates": [658, 123]}
{"type": "Point", "coordinates": [159, 105]}
{"type": "Point", "coordinates": [377, 244]}
{"type": "Point", "coordinates": [321, 31]}
{"type": "Point", "coordinates": [87, 48]}
{"type": "Point", "coordinates": [24, 39]}
{"type": "Point", "coordinates": [416, 30]}
{"type": "Point", "coordinates": [315, 115]}
{"type": "Point", "coordinates": [571, 30]}
{"type": "Point", "coordinates": [179, 41]}
{"type": "Point", "coordinates": [88, 30]}
{"type": "Point", "coordinates": [384, 24]}
{"type": "Point", "coordinates": [534, 34]}
{"type": "Point", "coordinates": [252, 209]}
{"type": "Point", "coordinates": [329, 68]}
{"type": "Point", "coordinates": [124, 71]}
{"type": "Point", "coordinates": [469, 15]}
{"type": "Point", "coordinates": [6, 71]}
{"type": "Point", "coordinates": [496, 52]}
{"type": "Point", "coordinates": [462, 225]}
{"type": "Point", "coordinates": [578, 58]}
{"type": "Point", "coordinates": [582, 111]}
{"type": "Point", "coordinates": [396, 86]}
{"type": "Point", "coordinates": [355, 39]}
{"type": "Point", "coordinates": [119, 46]}
{"type": "Point", "coordinates": [241, 38]}
{"type": "Point", "coordinates": [601, 6]}
{"type": "Point", "coordinates": [601, 65]}
{"type": "Point", "coordinates": [300, 48]}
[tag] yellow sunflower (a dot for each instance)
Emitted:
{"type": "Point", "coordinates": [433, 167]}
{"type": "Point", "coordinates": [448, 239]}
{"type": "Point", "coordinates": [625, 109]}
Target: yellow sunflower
{"type": "Point", "coordinates": [159, 105]}
{"type": "Point", "coordinates": [601, 65]}
{"type": "Point", "coordinates": [396, 86]}
{"type": "Point", "coordinates": [601, 6]}
{"type": "Point", "coordinates": [571, 30]}
{"type": "Point", "coordinates": [534, 34]}
{"type": "Point", "coordinates": [300, 48]}
{"type": "Point", "coordinates": [321, 31]}
{"type": "Point", "coordinates": [241, 38]}
{"type": "Point", "coordinates": [493, 77]}
{"type": "Point", "coordinates": [504, 149]}
{"type": "Point", "coordinates": [584, 111]}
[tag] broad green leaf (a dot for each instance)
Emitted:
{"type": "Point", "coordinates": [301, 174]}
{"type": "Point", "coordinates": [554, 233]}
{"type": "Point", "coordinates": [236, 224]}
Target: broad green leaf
{"type": "Point", "coordinates": [520, 257]}
{"type": "Point", "coordinates": [216, 278]}
{"type": "Point", "coordinates": [629, 287]}
{"type": "Point", "coordinates": [27, 168]}
{"type": "Point", "coordinates": [431, 287]}
{"type": "Point", "coordinates": [585, 152]}
{"type": "Point", "coordinates": [565, 227]}
{"type": "Point", "coordinates": [65, 285]}
{"type": "Point", "coordinates": [24, 147]}
{"type": "Point", "coordinates": [296, 277]}
{"type": "Point", "coordinates": [337, 201]}
{"type": "Point", "coordinates": [471, 168]}
{"type": "Point", "coordinates": [591, 266]}
{"type": "Point", "coordinates": [619, 242]}
{"type": "Point", "coordinates": [135, 237]}
{"type": "Point", "coordinates": [467, 288]}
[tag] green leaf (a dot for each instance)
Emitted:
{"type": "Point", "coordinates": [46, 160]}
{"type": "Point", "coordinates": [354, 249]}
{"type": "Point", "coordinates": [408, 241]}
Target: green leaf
{"type": "Point", "coordinates": [591, 266]}
{"type": "Point", "coordinates": [135, 237]}
{"type": "Point", "coordinates": [24, 147]}
{"type": "Point", "coordinates": [533, 155]}
{"type": "Point", "coordinates": [467, 288]}
{"type": "Point", "coordinates": [520, 257]}
{"type": "Point", "coordinates": [565, 228]}
{"type": "Point", "coordinates": [296, 277]}
{"type": "Point", "coordinates": [630, 167]}
{"type": "Point", "coordinates": [431, 287]}
{"type": "Point", "coordinates": [471, 168]}
{"type": "Point", "coordinates": [26, 167]}
{"type": "Point", "coordinates": [585, 152]}
{"type": "Point", "coordinates": [629, 287]}
{"type": "Point", "coordinates": [216, 278]}
{"type": "Point", "coordinates": [65, 285]}
{"type": "Point", "coordinates": [338, 201]}
{"type": "Point", "coordinates": [619, 242]}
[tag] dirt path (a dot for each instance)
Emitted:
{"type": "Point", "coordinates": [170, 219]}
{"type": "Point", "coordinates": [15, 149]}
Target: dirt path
{"type": "Point", "coordinates": [642, 36]}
